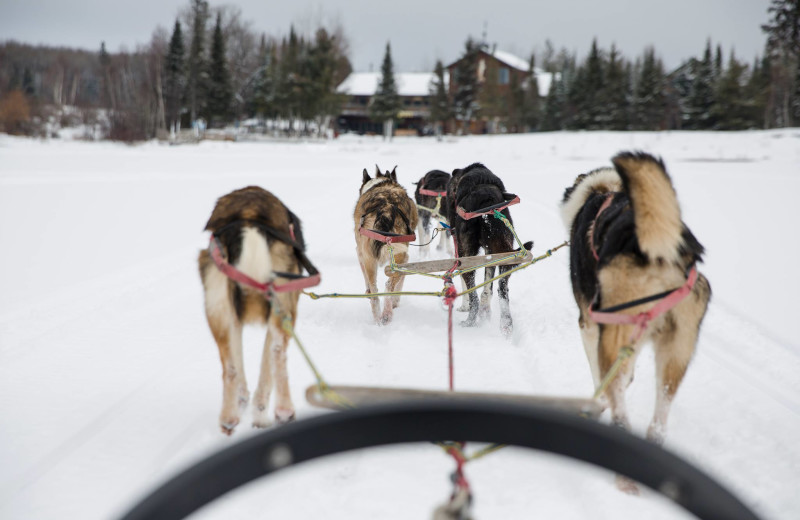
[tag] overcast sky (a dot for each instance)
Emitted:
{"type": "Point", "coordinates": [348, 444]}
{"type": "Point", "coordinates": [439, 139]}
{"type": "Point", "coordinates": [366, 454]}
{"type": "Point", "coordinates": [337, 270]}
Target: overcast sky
{"type": "Point", "coordinates": [420, 31]}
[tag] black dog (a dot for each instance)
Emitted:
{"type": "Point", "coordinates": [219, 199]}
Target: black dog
{"type": "Point", "coordinates": [433, 181]}
{"type": "Point", "coordinates": [474, 188]}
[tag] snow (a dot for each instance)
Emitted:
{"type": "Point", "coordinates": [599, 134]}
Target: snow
{"type": "Point", "coordinates": [408, 83]}
{"type": "Point", "coordinates": [110, 380]}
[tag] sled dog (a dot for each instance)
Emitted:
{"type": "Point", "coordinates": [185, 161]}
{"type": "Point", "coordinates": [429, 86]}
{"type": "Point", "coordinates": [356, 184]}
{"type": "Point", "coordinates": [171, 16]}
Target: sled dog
{"type": "Point", "coordinates": [433, 181]}
{"type": "Point", "coordinates": [383, 206]}
{"type": "Point", "coordinates": [628, 242]}
{"type": "Point", "coordinates": [474, 188]}
{"type": "Point", "coordinates": [246, 223]}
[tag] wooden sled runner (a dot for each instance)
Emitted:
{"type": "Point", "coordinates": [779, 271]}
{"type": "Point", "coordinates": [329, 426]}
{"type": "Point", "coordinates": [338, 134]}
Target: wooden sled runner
{"type": "Point", "coordinates": [365, 395]}
{"type": "Point", "coordinates": [467, 262]}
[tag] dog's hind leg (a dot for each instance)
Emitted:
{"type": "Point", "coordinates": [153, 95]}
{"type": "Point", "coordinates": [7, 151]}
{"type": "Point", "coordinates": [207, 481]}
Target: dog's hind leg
{"type": "Point", "coordinates": [674, 347]}
{"type": "Point", "coordinates": [393, 284]}
{"type": "Point", "coordinates": [485, 309]}
{"type": "Point", "coordinates": [370, 273]}
{"type": "Point", "coordinates": [264, 389]}
{"type": "Point", "coordinates": [234, 385]}
{"type": "Point", "coordinates": [612, 339]}
{"type": "Point", "coordinates": [506, 324]}
{"type": "Point", "coordinates": [590, 337]}
{"type": "Point", "coordinates": [284, 408]}
{"type": "Point", "coordinates": [422, 228]}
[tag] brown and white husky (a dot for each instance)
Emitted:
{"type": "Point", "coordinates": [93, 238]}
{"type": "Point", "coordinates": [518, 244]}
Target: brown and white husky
{"type": "Point", "coordinates": [384, 206]}
{"type": "Point", "coordinates": [628, 242]}
{"type": "Point", "coordinates": [246, 223]}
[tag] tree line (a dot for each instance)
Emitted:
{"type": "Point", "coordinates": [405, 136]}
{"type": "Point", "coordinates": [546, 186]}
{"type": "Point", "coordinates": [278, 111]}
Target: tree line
{"type": "Point", "coordinates": [214, 68]}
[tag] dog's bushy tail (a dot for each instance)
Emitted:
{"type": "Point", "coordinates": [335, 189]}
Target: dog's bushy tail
{"type": "Point", "coordinates": [656, 213]}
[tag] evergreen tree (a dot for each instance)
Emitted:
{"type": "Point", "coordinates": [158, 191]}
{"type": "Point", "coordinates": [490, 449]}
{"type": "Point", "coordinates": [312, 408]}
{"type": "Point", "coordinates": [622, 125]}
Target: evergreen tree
{"type": "Point", "coordinates": [197, 74]}
{"type": "Point", "coordinates": [174, 76]}
{"type": "Point", "coordinates": [109, 100]}
{"type": "Point", "coordinates": [701, 94]}
{"type": "Point", "coordinates": [593, 113]}
{"type": "Point", "coordinates": [649, 103]}
{"type": "Point", "coordinates": [465, 98]}
{"type": "Point", "coordinates": [440, 100]}
{"type": "Point", "coordinates": [532, 105]}
{"type": "Point", "coordinates": [756, 93]}
{"type": "Point", "coordinates": [616, 93]}
{"type": "Point", "coordinates": [783, 46]}
{"type": "Point", "coordinates": [263, 95]}
{"type": "Point", "coordinates": [322, 79]}
{"type": "Point", "coordinates": [718, 68]}
{"type": "Point", "coordinates": [553, 118]}
{"type": "Point", "coordinates": [493, 105]}
{"type": "Point", "coordinates": [219, 83]}
{"type": "Point", "coordinates": [730, 110]}
{"type": "Point", "coordinates": [386, 102]}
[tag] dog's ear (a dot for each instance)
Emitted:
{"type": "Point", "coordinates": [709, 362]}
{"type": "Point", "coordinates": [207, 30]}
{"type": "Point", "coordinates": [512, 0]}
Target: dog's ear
{"type": "Point", "coordinates": [366, 176]}
{"type": "Point", "coordinates": [393, 175]}
{"type": "Point", "coordinates": [378, 172]}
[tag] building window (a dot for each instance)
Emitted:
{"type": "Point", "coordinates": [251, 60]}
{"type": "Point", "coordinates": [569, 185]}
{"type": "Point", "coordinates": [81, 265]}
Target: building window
{"type": "Point", "coordinates": [502, 76]}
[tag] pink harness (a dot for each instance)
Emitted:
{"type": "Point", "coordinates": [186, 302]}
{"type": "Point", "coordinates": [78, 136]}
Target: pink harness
{"type": "Point", "coordinates": [386, 237]}
{"type": "Point", "coordinates": [265, 288]}
{"type": "Point", "coordinates": [432, 193]}
{"type": "Point", "coordinates": [641, 320]}
{"type": "Point", "coordinates": [486, 211]}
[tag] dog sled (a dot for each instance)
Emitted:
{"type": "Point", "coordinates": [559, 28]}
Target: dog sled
{"type": "Point", "coordinates": [272, 451]}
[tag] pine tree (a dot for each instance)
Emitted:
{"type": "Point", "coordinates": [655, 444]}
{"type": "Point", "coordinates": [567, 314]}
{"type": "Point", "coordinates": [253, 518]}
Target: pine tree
{"type": "Point", "coordinates": [322, 79]}
{"type": "Point", "coordinates": [701, 94]}
{"type": "Point", "coordinates": [616, 93]}
{"type": "Point", "coordinates": [197, 74]}
{"type": "Point", "coordinates": [553, 118]}
{"type": "Point", "coordinates": [730, 111]}
{"type": "Point", "coordinates": [440, 100]}
{"type": "Point", "coordinates": [465, 98]}
{"type": "Point", "coordinates": [756, 93]}
{"type": "Point", "coordinates": [532, 104]}
{"type": "Point", "coordinates": [783, 46]}
{"type": "Point", "coordinates": [386, 102]}
{"type": "Point", "coordinates": [219, 83]}
{"type": "Point", "coordinates": [174, 76]}
{"type": "Point", "coordinates": [105, 67]}
{"type": "Point", "coordinates": [649, 103]}
{"type": "Point", "coordinates": [593, 112]}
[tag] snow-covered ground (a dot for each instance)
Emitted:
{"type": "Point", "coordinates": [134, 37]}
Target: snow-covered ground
{"type": "Point", "coordinates": [110, 380]}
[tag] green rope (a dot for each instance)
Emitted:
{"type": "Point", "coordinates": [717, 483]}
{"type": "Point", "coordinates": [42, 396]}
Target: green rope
{"type": "Point", "coordinates": [624, 353]}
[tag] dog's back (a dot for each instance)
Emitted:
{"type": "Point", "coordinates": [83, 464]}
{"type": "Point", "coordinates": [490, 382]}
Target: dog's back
{"type": "Point", "coordinates": [640, 219]}
{"type": "Point", "coordinates": [240, 221]}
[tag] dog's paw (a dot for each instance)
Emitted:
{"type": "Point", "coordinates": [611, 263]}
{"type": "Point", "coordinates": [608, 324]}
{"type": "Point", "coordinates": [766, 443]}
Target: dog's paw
{"type": "Point", "coordinates": [227, 426]}
{"type": "Point", "coordinates": [469, 322]}
{"type": "Point", "coordinates": [386, 318]}
{"type": "Point", "coordinates": [260, 417]}
{"type": "Point", "coordinates": [284, 415]}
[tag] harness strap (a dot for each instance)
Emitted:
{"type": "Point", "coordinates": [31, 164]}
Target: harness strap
{"type": "Point", "coordinates": [386, 236]}
{"type": "Point", "coordinates": [431, 193]}
{"type": "Point", "coordinates": [669, 300]}
{"type": "Point", "coordinates": [488, 210]}
{"type": "Point", "coordinates": [603, 207]}
{"type": "Point", "coordinates": [297, 283]}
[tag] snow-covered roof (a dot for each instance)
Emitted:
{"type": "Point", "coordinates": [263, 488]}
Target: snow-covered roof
{"type": "Point", "coordinates": [512, 60]}
{"type": "Point", "coordinates": [408, 83]}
